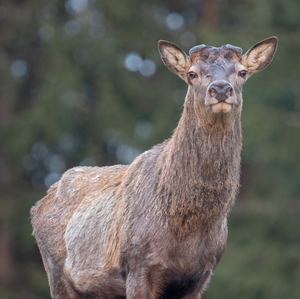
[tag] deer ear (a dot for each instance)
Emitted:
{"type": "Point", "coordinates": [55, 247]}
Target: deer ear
{"type": "Point", "coordinates": [260, 55]}
{"type": "Point", "coordinates": [174, 58]}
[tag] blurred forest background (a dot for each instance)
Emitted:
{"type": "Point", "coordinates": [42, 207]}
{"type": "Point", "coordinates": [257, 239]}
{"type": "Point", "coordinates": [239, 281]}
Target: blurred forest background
{"type": "Point", "coordinates": [82, 83]}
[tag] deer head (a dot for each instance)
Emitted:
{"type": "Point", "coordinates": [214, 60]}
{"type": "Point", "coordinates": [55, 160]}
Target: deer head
{"type": "Point", "coordinates": [216, 75]}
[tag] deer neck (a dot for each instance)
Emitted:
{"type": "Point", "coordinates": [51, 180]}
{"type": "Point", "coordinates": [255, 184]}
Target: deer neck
{"type": "Point", "coordinates": [200, 176]}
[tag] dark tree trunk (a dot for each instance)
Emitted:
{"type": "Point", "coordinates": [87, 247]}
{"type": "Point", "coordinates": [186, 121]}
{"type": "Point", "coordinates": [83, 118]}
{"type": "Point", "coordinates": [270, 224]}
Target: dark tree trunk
{"type": "Point", "coordinates": [6, 258]}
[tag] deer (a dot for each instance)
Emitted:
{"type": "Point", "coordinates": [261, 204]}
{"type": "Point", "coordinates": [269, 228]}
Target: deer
{"type": "Point", "coordinates": [156, 228]}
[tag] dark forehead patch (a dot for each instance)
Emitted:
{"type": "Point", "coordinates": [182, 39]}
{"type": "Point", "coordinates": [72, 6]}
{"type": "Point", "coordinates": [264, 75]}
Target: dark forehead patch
{"type": "Point", "coordinates": [210, 54]}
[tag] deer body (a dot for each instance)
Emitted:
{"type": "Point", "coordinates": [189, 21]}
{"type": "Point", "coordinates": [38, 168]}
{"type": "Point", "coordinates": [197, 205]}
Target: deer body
{"type": "Point", "coordinates": [157, 227]}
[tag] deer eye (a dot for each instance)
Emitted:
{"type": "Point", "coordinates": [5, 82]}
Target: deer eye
{"type": "Point", "coordinates": [192, 75]}
{"type": "Point", "coordinates": [243, 73]}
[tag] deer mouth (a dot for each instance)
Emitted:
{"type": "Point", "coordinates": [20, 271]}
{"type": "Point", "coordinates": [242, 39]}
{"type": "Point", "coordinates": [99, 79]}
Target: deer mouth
{"type": "Point", "coordinates": [221, 107]}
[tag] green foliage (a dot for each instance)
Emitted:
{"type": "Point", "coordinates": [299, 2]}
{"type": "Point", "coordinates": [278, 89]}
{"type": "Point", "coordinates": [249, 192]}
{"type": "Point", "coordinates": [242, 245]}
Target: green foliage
{"type": "Point", "coordinates": [262, 256]}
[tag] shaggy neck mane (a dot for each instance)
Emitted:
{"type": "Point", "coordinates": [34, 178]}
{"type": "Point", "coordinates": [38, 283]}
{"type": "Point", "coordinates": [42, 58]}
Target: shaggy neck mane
{"type": "Point", "coordinates": [200, 170]}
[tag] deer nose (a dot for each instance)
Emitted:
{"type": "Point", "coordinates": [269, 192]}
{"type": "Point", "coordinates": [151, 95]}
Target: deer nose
{"type": "Point", "coordinates": [221, 91]}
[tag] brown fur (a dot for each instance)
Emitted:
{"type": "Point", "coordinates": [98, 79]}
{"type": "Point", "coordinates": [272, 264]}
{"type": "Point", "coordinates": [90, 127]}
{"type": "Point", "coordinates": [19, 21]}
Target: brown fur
{"type": "Point", "coordinates": [157, 227]}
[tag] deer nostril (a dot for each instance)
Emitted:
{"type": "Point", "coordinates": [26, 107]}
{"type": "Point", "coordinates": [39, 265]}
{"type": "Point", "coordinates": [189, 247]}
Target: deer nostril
{"type": "Point", "coordinates": [213, 92]}
{"type": "Point", "coordinates": [229, 91]}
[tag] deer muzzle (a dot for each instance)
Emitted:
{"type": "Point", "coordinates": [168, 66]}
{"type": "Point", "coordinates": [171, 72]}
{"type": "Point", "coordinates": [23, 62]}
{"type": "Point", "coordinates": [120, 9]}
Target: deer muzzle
{"type": "Point", "coordinates": [220, 96]}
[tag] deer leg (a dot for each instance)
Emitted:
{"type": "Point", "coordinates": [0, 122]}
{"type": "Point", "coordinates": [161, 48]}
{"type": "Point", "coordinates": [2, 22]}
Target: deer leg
{"type": "Point", "coordinates": [154, 282]}
{"type": "Point", "coordinates": [197, 292]}
{"type": "Point", "coordinates": [137, 288]}
{"type": "Point", "coordinates": [91, 283]}
{"type": "Point", "coordinates": [60, 287]}
{"type": "Point", "coordinates": [148, 283]}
